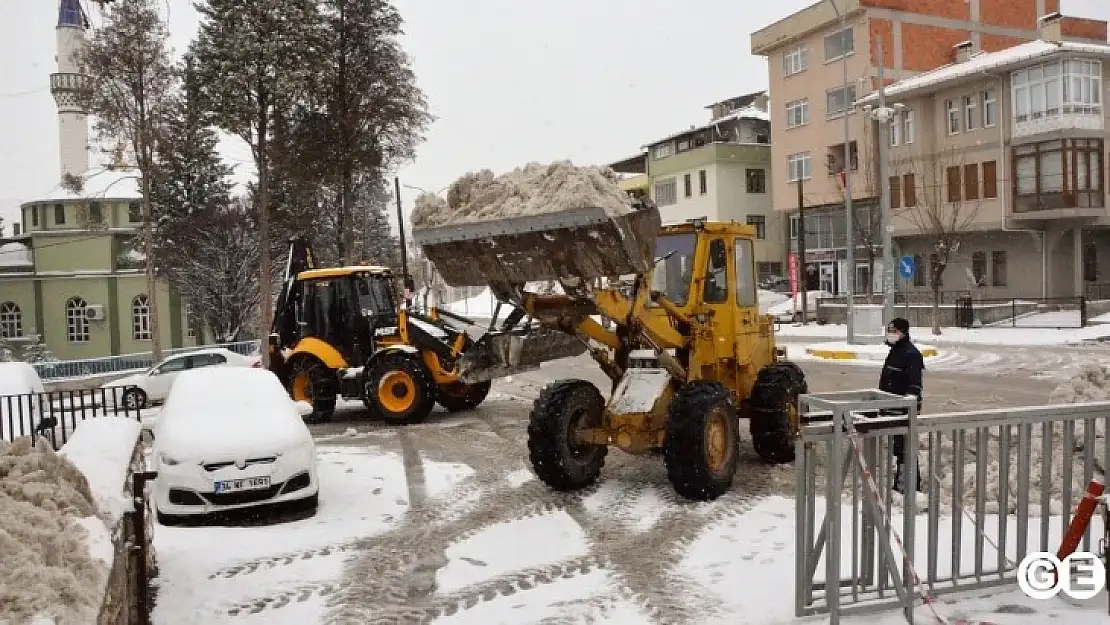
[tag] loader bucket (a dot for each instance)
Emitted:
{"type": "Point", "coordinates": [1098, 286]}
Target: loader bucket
{"type": "Point", "coordinates": [507, 353]}
{"type": "Point", "coordinates": [583, 243]}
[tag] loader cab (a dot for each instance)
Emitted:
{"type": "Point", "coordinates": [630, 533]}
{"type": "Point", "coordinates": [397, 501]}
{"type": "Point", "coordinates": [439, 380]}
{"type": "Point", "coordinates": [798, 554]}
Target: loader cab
{"type": "Point", "coordinates": [349, 308]}
{"type": "Point", "coordinates": [707, 264]}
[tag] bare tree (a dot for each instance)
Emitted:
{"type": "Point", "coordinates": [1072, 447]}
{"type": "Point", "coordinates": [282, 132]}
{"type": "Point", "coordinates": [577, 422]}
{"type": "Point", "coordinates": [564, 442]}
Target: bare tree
{"type": "Point", "coordinates": [940, 212]}
{"type": "Point", "coordinates": [130, 79]}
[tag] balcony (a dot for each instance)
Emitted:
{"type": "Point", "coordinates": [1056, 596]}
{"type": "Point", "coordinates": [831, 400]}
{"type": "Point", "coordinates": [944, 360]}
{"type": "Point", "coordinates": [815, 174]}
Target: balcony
{"type": "Point", "coordinates": [1089, 120]}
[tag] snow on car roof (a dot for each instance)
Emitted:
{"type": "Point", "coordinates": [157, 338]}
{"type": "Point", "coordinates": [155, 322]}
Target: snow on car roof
{"type": "Point", "coordinates": [19, 378]}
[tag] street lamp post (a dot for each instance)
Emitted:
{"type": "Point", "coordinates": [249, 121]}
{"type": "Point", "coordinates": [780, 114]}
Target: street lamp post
{"type": "Point", "coordinates": [849, 238]}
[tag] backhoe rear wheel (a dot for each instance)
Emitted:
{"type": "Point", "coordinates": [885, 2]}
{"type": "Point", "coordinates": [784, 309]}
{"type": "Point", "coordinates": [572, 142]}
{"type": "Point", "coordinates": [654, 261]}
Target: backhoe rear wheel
{"type": "Point", "coordinates": [560, 461]}
{"type": "Point", "coordinates": [399, 388]}
{"type": "Point", "coordinates": [702, 445]}
{"type": "Point", "coordinates": [459, 396]}
{"type": "Point", "coordinates": [311, 381]}
{"type": "Point", "coordinates": [774, 411]}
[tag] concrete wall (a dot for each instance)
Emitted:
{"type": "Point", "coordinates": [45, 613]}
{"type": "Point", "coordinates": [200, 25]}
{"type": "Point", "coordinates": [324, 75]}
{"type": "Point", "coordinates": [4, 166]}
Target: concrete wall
{"type": "Point", "coordinates": [921, 315]}
{"type": "Point", "coordinates": [1023, 264]}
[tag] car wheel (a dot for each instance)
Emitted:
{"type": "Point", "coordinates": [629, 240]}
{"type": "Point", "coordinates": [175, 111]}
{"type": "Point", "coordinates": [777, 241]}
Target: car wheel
{"type": "Point", "coordinates": [134, 399]}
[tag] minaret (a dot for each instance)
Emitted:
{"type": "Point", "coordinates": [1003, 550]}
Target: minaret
{"type": "Point", "coordinates": [73, 126]}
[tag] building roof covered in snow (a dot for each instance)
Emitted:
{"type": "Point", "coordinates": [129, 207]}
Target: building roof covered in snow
{"type": "Point", "coordinates": [100, 183]}
{"type": "Point", "coordinates": [15, 254]}
{"type": "Point", "coordinates": [982, 64]}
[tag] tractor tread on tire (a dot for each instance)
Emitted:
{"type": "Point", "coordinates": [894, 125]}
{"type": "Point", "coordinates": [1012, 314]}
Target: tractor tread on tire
{"type": "Point", "coordinates": [774, 396]}
{"type": "Point", "coordinates": [686, 452]}
{"type": "Point", "coordinates": [412, 371]}
{"type": "Point", "coordinates": [557, 462]}
{"type": "Point", "coordinates": [323, 383]}
{"type": "Point", "coordinates": [459, 396]}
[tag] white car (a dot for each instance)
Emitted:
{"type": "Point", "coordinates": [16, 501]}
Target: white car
{"type": "Point", "coordinates": [230, 438]}
{"type": "Point", "coordinates": [153, 385]}
{"type": "Point", "coordinates": [20, 391]}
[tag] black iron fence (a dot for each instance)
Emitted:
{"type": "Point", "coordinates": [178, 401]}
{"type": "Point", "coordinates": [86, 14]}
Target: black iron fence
{"type": "Point", "coordinates": [963, 309]}
{"type": "Point", "coordinates": [54, 415]}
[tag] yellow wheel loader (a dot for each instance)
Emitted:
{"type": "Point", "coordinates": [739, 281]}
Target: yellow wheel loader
{"type": "Point", "coordinates": [337, 332]}
{"type": "Point", "coordinates": [688, 355]}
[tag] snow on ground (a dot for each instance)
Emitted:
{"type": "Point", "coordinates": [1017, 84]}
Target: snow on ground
{"type": "Point", "coordinates": [981, 336]}
{"type": "Point", "coordinates": [793, 304]}
{"type": "Point", "coordinates": [1060, 319]}
{"type": "Point", "coordinates": [102, 449]}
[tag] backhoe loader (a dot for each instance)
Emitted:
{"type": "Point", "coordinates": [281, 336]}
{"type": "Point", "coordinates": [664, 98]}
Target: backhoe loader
{"type": "Point", "coordinates": [688, 355]}
{"type": "Point", "coordinates": [337, 332]}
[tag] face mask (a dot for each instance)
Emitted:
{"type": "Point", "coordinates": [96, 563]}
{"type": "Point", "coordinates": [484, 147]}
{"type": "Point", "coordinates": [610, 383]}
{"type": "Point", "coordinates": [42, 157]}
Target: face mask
{"type": "Point", "coordinates": [893, 337]}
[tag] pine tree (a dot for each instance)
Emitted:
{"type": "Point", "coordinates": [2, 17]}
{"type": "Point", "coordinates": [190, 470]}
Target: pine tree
{"type": "Point", "coordinates": [130, 78]}
{"type": "Point", "coordinates": [36, 351]}
{"type": "Point", "coordinates": [253, 58]}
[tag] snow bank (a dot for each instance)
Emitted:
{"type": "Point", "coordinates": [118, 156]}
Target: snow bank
{"type": "Point", "coordinates": [1010, 337]}
{"type": "Point", "coordinates": [770, 299]}
{"type": "Point", "coordinates": [790, 305]}
{"type": "Point", "coordinates": [48, 569]}
{"type": "Point", "coordinates": [101, 449]}
{"type": "Point", "coordinates": [531, 190]}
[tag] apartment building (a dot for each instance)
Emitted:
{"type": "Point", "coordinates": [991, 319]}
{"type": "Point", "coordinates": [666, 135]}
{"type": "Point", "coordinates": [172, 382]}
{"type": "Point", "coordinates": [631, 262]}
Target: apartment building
{"type": "Point", "coordinates": [721, 171]}
{"type": "Point", "coordinates": [1008, 153]}
{"type": "Point", "coordinates": [809, 55]}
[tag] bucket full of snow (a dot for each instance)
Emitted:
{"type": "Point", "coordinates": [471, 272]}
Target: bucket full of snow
{"type": "Point", "coordinates": [584, 243]}
{"type": "Point", "coordinates": [497, 355]}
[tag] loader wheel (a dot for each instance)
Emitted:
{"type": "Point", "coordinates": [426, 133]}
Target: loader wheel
{"type": "Point", "coordinates": [558, 460]}
{"type": "Point", "coordinates": [459, 396]}
{"type": "Point", "coordinates": [399, 388]}
{"type": "Point", "coordinates": [774, 411]}
{"type": "Point", "coordinates": [702, 445]}
{"type": "Point", "coordinates": [311, 381]}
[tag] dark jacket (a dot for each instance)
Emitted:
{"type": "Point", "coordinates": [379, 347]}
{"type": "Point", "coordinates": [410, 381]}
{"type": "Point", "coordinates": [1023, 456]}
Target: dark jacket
{"type": "Point", "coordinates": [903, 371]}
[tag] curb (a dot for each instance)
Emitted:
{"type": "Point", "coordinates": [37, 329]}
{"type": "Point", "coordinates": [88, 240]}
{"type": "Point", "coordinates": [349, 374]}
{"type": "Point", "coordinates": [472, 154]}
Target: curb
{"type": "Point", "coordinates": [836, 354]}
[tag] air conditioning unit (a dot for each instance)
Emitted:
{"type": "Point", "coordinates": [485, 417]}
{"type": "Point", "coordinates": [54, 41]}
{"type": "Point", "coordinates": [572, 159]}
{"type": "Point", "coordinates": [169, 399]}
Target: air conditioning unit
{"type": "Point", "coordinates": [94, 312]}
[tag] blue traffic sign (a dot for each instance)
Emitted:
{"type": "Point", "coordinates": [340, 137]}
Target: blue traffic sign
{"type": "Point", "coordinates": [906, 267]}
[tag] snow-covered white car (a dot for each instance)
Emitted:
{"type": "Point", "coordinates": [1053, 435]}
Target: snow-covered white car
{"type": "Point", "coordinates": [153, 385]}
{"type": "Point", "coordinates": [20, 389]}
{"type": "Point", "coordinates": [230, 438]}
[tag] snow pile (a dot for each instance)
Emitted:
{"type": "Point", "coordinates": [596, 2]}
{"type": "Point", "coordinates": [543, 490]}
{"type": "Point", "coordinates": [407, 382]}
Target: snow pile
{"type": "Point", "coordinates": [47, 568]}
{"type": "Point", "coordinates": [794, 304]}
{"type": "Point", "coordinates": [102, 449]}
{"type": "Point", "coordinates": [534, 189]}
{"type": "Point", "coordinates": [769, 299]}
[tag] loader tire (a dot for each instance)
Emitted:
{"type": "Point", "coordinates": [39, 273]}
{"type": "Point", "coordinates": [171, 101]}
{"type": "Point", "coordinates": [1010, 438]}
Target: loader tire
{"type": "Point", "coordinates": [460, 396]}
{"type": "Point", "coordinates": [399, 389]}
{"type": "Point", "coordinates": [312, 381]}
{"type": "Point", "coordinates": [702, 445]}
{"type": "Point", "coordinates": [774, 411]}
{"type": "Point", "coordinates": [557, 459]}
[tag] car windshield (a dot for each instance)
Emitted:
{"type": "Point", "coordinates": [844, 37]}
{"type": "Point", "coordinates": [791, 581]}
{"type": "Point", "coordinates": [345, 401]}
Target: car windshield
{"type": "Point", "coordinates": [672, 275]}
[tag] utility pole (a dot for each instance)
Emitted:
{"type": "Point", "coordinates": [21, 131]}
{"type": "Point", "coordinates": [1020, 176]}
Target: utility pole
{"type": "Point", "coordinates": [801, 264]}
{"type": "Point", "coordinates": [885, 118]}
{"type": "Point", "coordinates": [405, 278]}
{"type": "Point", "coordinates": [849, 239]}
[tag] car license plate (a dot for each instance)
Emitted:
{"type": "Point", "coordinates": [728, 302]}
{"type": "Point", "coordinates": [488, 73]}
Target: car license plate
{"type": "Point", "coordinates": [250, 483]}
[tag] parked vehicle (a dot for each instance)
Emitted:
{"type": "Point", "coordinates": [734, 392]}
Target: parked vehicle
{"type": "Point", "coordinates": [230, 438]}
{"type": "Point", "coordinates": [20, 389]}
{"type": "Point", "coordinates": [153, 385]}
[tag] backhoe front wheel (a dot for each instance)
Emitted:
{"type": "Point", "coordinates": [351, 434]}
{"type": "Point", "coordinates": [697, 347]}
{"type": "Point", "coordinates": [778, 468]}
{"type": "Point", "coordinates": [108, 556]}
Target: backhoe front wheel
{"type": "Point", "coordinates": [399, 388]}
{"type": "Point", "coordinates": [702, 445]}
{"type": "Point", "coordinates": [559, 460]}
{"type": "Point", "coordinates": [459, 396]}
{"type": "Point", "coordinates": [774, 411]}
{"type": "Point", "coordinates": [311, 381]}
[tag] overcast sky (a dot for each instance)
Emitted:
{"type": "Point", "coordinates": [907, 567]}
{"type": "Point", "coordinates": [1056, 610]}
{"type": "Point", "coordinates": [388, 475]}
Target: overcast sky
{"type": "Point", "coordinates": [510, 81]}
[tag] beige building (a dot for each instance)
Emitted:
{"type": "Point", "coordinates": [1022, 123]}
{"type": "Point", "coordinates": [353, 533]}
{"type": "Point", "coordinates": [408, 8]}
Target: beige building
{"type": "Point", "coordinates": [1008, 152]}
{"type": "Point", "coordinates": [826, 56]}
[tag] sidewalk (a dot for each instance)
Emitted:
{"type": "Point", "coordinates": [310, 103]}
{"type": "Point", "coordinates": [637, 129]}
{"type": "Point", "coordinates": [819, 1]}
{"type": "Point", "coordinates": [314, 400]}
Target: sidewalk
{"type": "Point", "coordinates": [844, 351]}
{"type": "Point", "coordinates": [963, 336]}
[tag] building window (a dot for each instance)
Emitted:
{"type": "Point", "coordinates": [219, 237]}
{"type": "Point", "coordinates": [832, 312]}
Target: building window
{"type": "Point", "coordinates": [971, 181]}
{"type": "Point", "coordinates": [952, 174]}
{"type": "Point", "coordinates": [1059, 174]}
{"type": "Point", "coordinates": [11, 321]}
{"type": "Point", "coordinates": [990, 108]}
{"type": "Point", "coordinates": [799, 167]}
{"type": "Point", "coordinates": [909, 185]}
{"type": "Point", "coordinates": [703, 182]}
{"type": "Point", "coordinates": [840, 100]}
{"type": "Point", "coordinates": [1090, 263]}
{"type": "Point", "coordinates": [998, 268]}
{"type": "Point", "coordinates": [77, 320]}
{"type": "Point", "coordinates": [95, 214]}
{"type": "Point", "coordinates": [140, 318]}
{"type": "Point", "coordinates": [190, 322]}
{"type": "Point", "coordinates": [1072, 86]}
{"type": "Point", "coordinates": [683, 145]}
{"type": "Point", "coordinates": [953, 116]}
{"type": "Point", "coordinates": [909, 127]}
{"type": "Point", "coordinates": [895, 192]}
{"type": "Point", "coordinates": [666, 192]}
{"type": "Point", "coordinates": [919, 270]}
{"type": "Point", "coordinates": [979, 268]}
{"type": "Point", "coordinates": [794, 227]}
{"type": "Point", "coordinates": [35, 216]}
{"type": "Point", "coordinates": [839, 44]}
{"type": "Point", "coordinates": [836, 158]}
{"type": "Point", "coordinates": [756, 180]}
{"type": "Point", "coordinates": [135, 212]}
{"type": "Point", "coordinates": [895, 131]}
{"type": "Point", "coordinates": [797, 113]}
{"type": "Point", "coordinates": [990, 180]}
{"type": "Point", "coordinates": [936, 273]}
{"type": "Point", "coordinates": [759, 222]}
{"type": "Point", "coordinates": [687, 186]}
{"type": "Point", "coordinates": [795, 61]}
{"type": "Point", "coordinates": [59, 213]}
{"type": "Point", "coordinates": [971, 113]}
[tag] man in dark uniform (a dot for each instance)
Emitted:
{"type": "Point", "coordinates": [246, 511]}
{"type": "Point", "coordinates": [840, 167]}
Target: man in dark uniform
{"type": "Point", "coordinates": [902, 375]}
